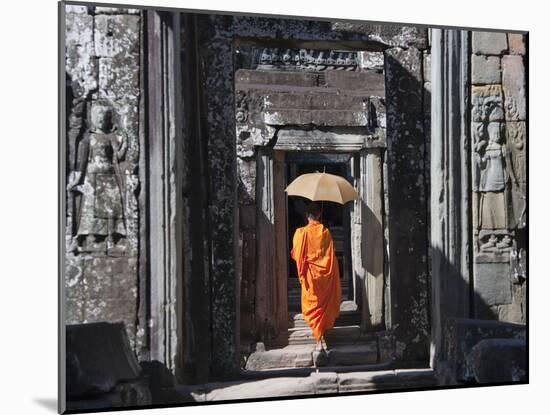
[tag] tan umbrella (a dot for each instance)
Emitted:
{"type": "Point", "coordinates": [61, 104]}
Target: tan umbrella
{"type": "Point", "coordinates": [322, 186]}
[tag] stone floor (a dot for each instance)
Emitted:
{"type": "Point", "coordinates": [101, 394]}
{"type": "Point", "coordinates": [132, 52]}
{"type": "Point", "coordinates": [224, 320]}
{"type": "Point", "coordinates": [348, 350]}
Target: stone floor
{"type": "Point", "coordinates": [317, 382]}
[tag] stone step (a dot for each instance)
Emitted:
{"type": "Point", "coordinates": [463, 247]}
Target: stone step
{"type": "Point", "coordinates": [336, 335]}
{"type": "Point", "coordinates": [333, 380]}
{"type": "Point", "coordinates": [351, 319]}
{"type": "Point", "coordinates": [295, 356]}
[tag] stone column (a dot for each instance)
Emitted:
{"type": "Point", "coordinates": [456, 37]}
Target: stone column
{"type": "Point", "coordinates": [450, 182]}
{"type": "Point", "coordinates": [165, 187]}
{"type": "Point", "coordinates": [372, 246]}
{"type": "Point", "coordinates": [266, 287]}
{"type": "Point", "coordinates": [196, 236]}
{"type": "Point", "coordinates": [216, 54]}
{"type": "Point", "coordinates": [407, 215]}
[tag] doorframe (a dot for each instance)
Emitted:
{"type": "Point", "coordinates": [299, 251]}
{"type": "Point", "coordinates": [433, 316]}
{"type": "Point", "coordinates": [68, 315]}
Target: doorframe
{"type": "Point", "coordinates": [346, 159]}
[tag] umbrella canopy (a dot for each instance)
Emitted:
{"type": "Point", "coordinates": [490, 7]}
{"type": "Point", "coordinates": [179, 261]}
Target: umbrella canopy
{"type": "Point", "coordinates": [322, 186]}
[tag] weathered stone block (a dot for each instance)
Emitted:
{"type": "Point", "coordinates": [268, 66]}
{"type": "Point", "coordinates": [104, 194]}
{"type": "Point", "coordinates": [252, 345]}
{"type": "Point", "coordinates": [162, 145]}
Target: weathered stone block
{"type": "Point", "coordinates": [492, 283]}
{"type": "Point", "coordinates": [489, 43]}
{"type": "Point", "coordinates": [79, 51]}
{"type": "Point", "coordinates": [499, 360]}
{"type": "Point", "coordinates": [115, 10]}
{"type": "Point", "coordinates": [116, 35]}
{"type": "Point", "coordinates": [76, 9]}
{"type": "Point", "coordinates": [119, 77]}
{"type": "Point", "coordinates": [486, 69]}
{"type": "Point", "coordinates": [279, 358]}
{"type": "Point", "coordinates": [325, 382]}
{"type": "Point", "coordinates": [245, 77]}
{"type": "Point", "coordinates": [360, 381]}
{"type": "Point", "coordinates": [371, 82]}
{"type": "Point", "coordinates": [358, 354]}
{"type": "Point", "coordinates": [516, 43]}
{"type": "Point", "coordinates": [513, 85]}
{"type": "Point", "coordinates": [461, 335]}
{"type": "Point", "coordinates": [98, 357]}
{"type": "Point", "coordinates": [415, 377]}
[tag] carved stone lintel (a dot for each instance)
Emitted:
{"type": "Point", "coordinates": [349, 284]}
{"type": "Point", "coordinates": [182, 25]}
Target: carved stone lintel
{"type": "Point", "coordinates": [307, 60]}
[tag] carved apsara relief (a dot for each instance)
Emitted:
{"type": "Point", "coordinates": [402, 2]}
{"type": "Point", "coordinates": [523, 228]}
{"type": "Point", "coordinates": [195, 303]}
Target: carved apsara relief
{"type": "Point", "coordinates": [492, 174]}
{"type": "Point", "coordinates": [96, 187]}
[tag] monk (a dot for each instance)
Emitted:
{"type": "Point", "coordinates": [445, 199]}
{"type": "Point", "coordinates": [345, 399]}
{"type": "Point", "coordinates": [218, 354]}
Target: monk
{"type": "Point", "coordinates": [319, 275]}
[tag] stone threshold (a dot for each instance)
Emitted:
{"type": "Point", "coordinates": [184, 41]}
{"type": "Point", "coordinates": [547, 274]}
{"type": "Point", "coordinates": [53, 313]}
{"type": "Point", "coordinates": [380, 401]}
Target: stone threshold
{"type": "Point", "coordinates": [306, 371]}
{"type": "Point", "coordinates": [303, 356]}
{"type": "Point", "coordinates": [314, 383]}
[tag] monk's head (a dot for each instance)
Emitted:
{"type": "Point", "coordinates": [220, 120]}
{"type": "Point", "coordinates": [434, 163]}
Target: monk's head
{"type": "Point", "coordinates": [313, 211]}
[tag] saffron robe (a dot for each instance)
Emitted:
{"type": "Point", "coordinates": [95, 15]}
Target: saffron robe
{"type": "Point", "coordinates": [313, 251]}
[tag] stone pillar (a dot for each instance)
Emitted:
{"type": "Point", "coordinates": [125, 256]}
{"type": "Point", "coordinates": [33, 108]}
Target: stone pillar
{"type": "Point", "coordinates": [280, 274]}
{"type": "Point", "coordinates": [407, 215]}
{"type": "Point", "coordinates": [266, 284]}
{"type": "Point", "coordinates": [372, 246]}
{"type": "Point", "coordinates": [450, 182]}
{"type": "Point", "coordinates": [216, 56]}
{"type": "Point", "coordinates": [166, 221]}
{"type": "Point", "coordinates": [196, 356]}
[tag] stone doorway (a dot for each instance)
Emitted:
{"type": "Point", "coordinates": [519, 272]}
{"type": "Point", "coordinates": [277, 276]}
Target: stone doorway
{"type": "Point", "coordinates": [290, 122]}
{"type": "Point", "coordinates": [335, 216]}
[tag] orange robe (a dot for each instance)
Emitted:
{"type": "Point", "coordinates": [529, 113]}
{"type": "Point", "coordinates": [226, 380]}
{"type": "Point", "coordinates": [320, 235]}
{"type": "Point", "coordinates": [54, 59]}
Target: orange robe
{"type": "Point", "coordinates": [313, 251]}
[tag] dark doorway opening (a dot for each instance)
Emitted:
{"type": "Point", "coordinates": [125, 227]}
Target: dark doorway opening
{"type": "Point", "coordinates": [335, 217]}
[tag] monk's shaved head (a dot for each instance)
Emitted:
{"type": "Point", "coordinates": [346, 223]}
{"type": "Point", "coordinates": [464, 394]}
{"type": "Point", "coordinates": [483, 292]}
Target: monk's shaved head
{"type": "Point", "coordinates": [313, 211]}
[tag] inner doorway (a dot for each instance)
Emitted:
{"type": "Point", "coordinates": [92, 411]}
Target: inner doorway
{"type": "Point", "coordinates": [334, 216]}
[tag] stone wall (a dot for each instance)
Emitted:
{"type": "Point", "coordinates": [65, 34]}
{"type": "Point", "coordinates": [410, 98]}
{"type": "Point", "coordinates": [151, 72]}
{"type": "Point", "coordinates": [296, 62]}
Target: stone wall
{"type": "Point", "coordinates": [102, 66]}
{"type": "Point", "coordinates": [498, 145]}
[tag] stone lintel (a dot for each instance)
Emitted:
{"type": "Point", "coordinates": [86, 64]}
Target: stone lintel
{"type": "Point", "coordinates": [301, 140]}
{"type": "Point", "coordinates": [255, 77]}
{"type": "Point", "coordinates": [316, 117]}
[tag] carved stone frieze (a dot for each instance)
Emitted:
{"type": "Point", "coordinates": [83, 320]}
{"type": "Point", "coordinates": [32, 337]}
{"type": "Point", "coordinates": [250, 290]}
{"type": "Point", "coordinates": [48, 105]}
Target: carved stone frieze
{"type": "Point", "coordinates": [307, 60]}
